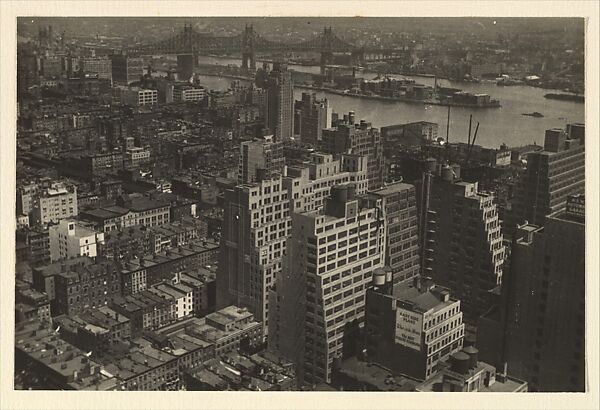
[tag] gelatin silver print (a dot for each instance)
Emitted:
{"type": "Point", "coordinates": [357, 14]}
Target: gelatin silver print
{"type": "Point", "coordinates": [381, 204]}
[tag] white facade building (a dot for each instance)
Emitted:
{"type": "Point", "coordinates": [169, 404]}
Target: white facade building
{"type": "Point", "coordinates": [329, 264]}
{"type": "Point", "coordinates": [57, 202]}
{"type": "Point", "coordinates": [188, 93]}
{"type": "Point", "coordinates": [70, 239]}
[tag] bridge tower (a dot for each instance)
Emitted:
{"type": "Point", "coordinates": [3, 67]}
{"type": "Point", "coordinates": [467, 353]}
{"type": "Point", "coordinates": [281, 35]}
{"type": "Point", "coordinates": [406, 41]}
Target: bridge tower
{"type": "Point", "coordinates": [248, 54]}
{"type": "Point", "coordinates": [326, 48]}
{"type": "Point", "coordinates": [358, 56]}
{"type": "Point", "coordinates": [186, 58]}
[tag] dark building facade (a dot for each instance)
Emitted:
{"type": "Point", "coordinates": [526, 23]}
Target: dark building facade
{"type": "Point", "coordinates": [411, 329]}
{"type": "Point", "coordinates": [280, 102]}
{"type": "Point", "coordinates": [462, 244]}
{"type": "Point", "coordinates": [542, 318]}
{"type": "Point", "coordinates": [399, 205]}
{"type": "Point", "coordinates": [349, 137]}
{"type": "Point", "coordinates": [552, 174]}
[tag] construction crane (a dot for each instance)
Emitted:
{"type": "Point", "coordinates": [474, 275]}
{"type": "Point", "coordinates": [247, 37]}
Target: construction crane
{"type": "Point", "coordinates": [471, 143]}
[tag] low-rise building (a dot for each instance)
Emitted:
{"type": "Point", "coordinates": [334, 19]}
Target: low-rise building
{"type": "Point", "coordinates": [33, 304]}
{"type": "Point", "coordinates": [70, 239]}
{"type": "Point", "coordinates": [143, 367]}
{"type": "Point", "coordinates": [95, 330]}
{"type": "Point", "coordinates": [188, 93]}
{"type": "Point", "coordinates": [203, 283]}
{"type": "Point", "coordinates": [43, 277]}
{"type": "Point", "coordinates": [141, 273]}
{"type": "Point", "coordinates": [227, 329]}
{"type": "Point", "coordinates": [136, 157]}
{"type": "Point", "coordinates": [181, 293]}
{"type": "Point", "coordinates": [145, 310]}
{"type": "Point", "coordinates": [240, 372]}
{"type": "Point", "coordinates": [464, 373]}
{"type": "Point", "coordinates": [83, 286]}
{"type": "Point", "coordinates": [137, 211]}
{"type": "Point", "coordinates": [56, 364]}
{"type": "Point", "coordinates": [34, 244]}
{"type": "Point", "coordinates": [136, 96]}
{"type": "Point", "coordinates": [412, 329]}
{"type": "Point", "coordinates": [356, 375]}
{"type": "Point", "coordinates": [54, 203]}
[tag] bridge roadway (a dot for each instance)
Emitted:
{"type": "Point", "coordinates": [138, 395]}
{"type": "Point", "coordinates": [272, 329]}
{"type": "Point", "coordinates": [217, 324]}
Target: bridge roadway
{"type": "Point", "coordinates": [189, 44]}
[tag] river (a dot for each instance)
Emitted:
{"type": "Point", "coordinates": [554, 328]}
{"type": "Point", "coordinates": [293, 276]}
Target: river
{"type": "Point", "coordinates": [497, 125]}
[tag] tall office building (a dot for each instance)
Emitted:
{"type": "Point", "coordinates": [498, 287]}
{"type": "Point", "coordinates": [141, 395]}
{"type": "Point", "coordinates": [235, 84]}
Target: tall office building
{"type": "Point", "coordinates": [399, 206]}
{"type": "Point", "coordinates": [126, 70]}
{"type": "Point", "coordinates": [280, 102]}
{"type": "Point", "coordinates": [346, 136]}
{"type": "Point", "coordinates": [312, 115]}
{"type": "Point", "coordinates": [256, 224]}
{"type": "Point", "coordinates": [99, 65]}
{"type": "Point", "coordinates": [543, 312]}
{"type": "Point", "coordinates": [463, 245]}
{"type": "Point", "coordinates": [309, 184]}
{"type": "Point", "coordinates": [551, 176]}
{"type": "Point", "coordinates": [260, 159]}
{"type": "Point", "coordinates": [329, 263]}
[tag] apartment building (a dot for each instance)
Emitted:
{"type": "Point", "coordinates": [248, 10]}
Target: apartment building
{"type": "Point", "coordinates": [330, 260]}
{"type": "Point", "coordinates": [462, 241]}
{"type": "Point", "coordinates": [70, 239]}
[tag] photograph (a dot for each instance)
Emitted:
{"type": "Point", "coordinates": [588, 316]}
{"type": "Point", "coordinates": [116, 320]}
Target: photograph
{"type": "Point", "coordinates": [306, 204]}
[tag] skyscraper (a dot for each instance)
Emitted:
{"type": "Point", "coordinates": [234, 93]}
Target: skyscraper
{"type": "Point", "coordinates": [126, 70]}
{"type": "Point", "coordinates": [260, 159]}
{"type": "Point", "coordinates": [463, 246]}
{"type": "Point", "coordinates": [313, 115]}
{"type": "Point", "coordinates": [544, 304]}
{"type": "Point", "coordinates": [309, 184]}
{"type": "Point", "coordinates": [399, 206]}
{"type": "Point", "coordinates": [552, 174]}
{"type": "Point", "coordinates": [330, 260]}
{"type": "Point", "coordinates": [280, 103]}
{"type": "Point", "coordinates": [256, 224]}
{"type": "Point", "coordinates": [346, 136]}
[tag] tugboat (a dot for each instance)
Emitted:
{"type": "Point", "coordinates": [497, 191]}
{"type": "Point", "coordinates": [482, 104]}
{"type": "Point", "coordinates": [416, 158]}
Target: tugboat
{"type": "Point", "coordinates": [533, 114]}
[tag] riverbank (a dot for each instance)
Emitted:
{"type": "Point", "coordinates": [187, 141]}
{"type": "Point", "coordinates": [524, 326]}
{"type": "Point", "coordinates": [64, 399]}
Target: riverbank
{"type": "Point", "coordinates": [504, 125]}
{"type": "Point", "coordinates": [361, 96]}
{"type": "Point", "coordinates": [393, 99]}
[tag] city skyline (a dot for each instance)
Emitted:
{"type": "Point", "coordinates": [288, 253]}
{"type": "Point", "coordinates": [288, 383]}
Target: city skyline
{"type": "Point", "coordinates": [233, 204]}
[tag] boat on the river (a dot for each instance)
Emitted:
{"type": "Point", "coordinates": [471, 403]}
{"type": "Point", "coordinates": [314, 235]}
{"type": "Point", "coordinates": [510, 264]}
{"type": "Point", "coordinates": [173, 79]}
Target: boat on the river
{"type": "Point", "coordinates": [533, 114]}
{"type": "Point", "coordinates": [565, 97]}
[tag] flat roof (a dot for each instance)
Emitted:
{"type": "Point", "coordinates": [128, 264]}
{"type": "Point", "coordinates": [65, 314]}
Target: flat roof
{"type": "Point", "coordinates": [511, 384]}
{"type": "Point", "coordinates": [377, 376]}
{"type": "Point", "coordinates": [393, 188]}
{"type": "Point", "coordinates": [424, 299]}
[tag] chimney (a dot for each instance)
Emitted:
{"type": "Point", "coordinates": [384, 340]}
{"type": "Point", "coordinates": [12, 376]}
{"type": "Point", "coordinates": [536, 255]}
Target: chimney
{"type": "Point", "coordinates": [501, 375]}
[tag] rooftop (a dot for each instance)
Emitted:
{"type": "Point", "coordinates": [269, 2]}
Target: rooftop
{"type": "Point", "coordinates": [377, 376]}
{"type": "Point", "coordinates": [508, 385]}
{"type": "Point", "coordinates": [428, 298]}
